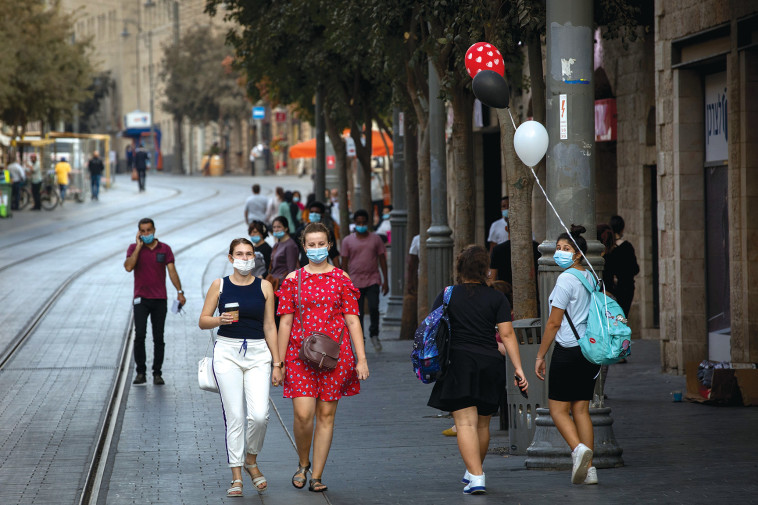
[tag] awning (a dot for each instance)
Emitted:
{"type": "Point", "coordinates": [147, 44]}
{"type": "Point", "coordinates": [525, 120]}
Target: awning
{"type": "Point", "coordinates": [307, 149]}
{"type": "Point", "coordinates": [138, 133]}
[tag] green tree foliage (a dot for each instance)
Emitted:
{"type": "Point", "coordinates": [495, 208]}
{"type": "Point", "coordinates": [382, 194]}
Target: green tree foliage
{"type": "Point", "coordinates": [90, 120]}
{"type": "Point", "coordinates": [44, 72]}
{"type": "Point", "coordinates": [201, 84]}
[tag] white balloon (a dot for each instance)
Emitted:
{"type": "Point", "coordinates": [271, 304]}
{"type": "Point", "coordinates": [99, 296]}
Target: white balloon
{"type": "Point", "coordinates": [530, 142]}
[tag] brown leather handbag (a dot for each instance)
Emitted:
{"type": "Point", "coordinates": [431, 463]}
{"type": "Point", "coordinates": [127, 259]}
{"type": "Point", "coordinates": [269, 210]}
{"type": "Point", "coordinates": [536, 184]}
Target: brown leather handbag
{"type": "Point", "coordinates": [319, 350]}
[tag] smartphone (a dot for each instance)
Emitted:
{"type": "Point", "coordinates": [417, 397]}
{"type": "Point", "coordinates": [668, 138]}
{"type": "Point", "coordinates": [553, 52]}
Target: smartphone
{"type": "Point", "coordinates": [523, 393]}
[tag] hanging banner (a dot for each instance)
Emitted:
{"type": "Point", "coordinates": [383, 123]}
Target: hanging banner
{"type": "Point", "coordinates": [716, 132]}
{"type": "Point", "coordinates": [605, 120]}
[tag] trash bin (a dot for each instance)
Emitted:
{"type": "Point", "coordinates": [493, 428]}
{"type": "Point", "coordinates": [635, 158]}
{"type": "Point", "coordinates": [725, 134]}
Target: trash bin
{"type": "Point", "coordinates": [522, 412]}
{"type": "Point", "coordinates": [5, 200]}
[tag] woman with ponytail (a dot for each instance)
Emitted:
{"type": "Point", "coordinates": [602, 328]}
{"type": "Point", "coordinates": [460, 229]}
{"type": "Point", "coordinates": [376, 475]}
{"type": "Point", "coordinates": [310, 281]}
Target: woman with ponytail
{"type": "Point", "coordinates": [572, 377]}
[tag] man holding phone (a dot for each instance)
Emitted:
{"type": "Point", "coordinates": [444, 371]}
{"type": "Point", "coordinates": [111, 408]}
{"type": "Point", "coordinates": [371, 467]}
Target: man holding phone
{"type": "Point", "coordinates": [150, 258]}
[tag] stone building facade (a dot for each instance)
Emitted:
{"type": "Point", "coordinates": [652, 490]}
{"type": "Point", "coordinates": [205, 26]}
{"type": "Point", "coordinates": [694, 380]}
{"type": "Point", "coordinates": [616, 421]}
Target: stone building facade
{"type": "Point", "coordinates": [706, 86]}
{"type": "Point", "coordinates": [128, 38]}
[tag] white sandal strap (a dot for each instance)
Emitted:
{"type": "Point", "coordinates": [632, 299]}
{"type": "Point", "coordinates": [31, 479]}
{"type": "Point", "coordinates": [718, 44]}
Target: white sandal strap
{"type": "Point", "coordinates": [254, 465]}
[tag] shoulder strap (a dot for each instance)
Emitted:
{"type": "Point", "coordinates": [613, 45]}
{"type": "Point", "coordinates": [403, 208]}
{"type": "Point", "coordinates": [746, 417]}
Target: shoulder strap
{"type": "Point", "coordinates": [571, 323]}
{"type": "Point", "coordinates": [447, 295]}
{"type": "Point", "coordinates": [576, 273]}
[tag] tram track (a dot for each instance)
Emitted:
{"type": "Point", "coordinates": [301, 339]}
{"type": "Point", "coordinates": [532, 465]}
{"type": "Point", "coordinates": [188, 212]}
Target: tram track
{"type": "Point", "coordinates": [75, 242]}
{"type": "Point", "coordinates": [85, 223]}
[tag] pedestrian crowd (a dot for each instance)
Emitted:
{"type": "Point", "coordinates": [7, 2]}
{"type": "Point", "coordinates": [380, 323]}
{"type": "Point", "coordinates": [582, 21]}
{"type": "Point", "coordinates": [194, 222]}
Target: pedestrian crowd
{"type": "Point", "coordinates": [291, 314]}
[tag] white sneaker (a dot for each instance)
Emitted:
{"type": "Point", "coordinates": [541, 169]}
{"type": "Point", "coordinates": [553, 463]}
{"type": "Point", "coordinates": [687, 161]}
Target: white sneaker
{"type": "Point", "coordinates": [591, 476]}
{"type": "Point", "coordinates": [466, 477]}
{"type": "Point", "coordinates": [580, 457]}
{"type": "Point", "coordinates": [476, 486]}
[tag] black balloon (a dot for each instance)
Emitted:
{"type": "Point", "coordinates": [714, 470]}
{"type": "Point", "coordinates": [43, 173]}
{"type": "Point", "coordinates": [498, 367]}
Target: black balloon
{"type": "Point", "coordinates": [491, 89]}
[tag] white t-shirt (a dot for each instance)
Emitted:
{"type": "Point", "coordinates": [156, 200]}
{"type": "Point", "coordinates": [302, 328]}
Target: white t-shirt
{"type": "Point", "coordinates": [415, 245]}
{"type": "Point", "coordinates": [498, 235]}
{"type": "Point", "coordinates": [569, 293]}
{"type": "Point", "coordinates": [255, 207]}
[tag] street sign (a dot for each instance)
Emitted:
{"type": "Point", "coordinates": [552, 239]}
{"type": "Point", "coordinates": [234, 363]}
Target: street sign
{"type": "Point", "coordinates": [280, 116]}
{"type": "Point", "coordinates": [331, 161]}
{"type": "Point", "coordinates": [350, 147]}
{"type": "Point", "coordinates": [563, 111]}
{"type": "Point", "coordinates": [259, 112]}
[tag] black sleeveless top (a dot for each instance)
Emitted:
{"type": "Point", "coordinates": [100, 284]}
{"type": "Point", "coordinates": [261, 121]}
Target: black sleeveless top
{"type": "Point", "coordinates": [252, 305]}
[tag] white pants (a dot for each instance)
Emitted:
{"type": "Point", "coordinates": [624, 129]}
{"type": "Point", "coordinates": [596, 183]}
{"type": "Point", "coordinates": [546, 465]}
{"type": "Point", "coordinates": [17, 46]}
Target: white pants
{"type": "Point", "coordinates": [243, 373]}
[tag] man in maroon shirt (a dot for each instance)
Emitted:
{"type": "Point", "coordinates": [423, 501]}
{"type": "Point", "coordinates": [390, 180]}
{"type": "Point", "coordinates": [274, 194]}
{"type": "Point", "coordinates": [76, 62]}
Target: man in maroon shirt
{"type": "Point", "coordinates": [150, 258]}
{"type": "Point", "coordinates": [363, 255]}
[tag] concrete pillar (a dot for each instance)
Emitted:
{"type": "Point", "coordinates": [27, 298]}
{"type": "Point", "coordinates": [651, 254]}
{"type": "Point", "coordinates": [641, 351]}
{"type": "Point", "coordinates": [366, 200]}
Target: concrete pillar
{"type": "Point", "coordinates": [399, 222]}
{"type": "Point", "coordinates": [570, 112]}
{"type": "Point", "coordinates": [439, 242]}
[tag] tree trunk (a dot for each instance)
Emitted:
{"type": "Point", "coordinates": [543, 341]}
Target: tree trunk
{"type": "Point", "coordinates": [424, 218]}
{"type": "Point", "coordinates": [409, 318]}
{"type": "Point", "coordinates": [178, 146]}
{"type": "Point", "coordinates": [463, 165]}
{"type": "Point", "coordinates": [363, 153]}
{"type": "Point", "coordinates": [539, 205]}
{"type": "Point", "coordinates": [520, 185]}
{"type": "Point", "coordinates": [340, 158]}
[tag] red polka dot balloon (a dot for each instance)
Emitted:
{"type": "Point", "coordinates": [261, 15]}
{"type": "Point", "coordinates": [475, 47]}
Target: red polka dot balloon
{"type": "Point", "coordinates": [484, 56]}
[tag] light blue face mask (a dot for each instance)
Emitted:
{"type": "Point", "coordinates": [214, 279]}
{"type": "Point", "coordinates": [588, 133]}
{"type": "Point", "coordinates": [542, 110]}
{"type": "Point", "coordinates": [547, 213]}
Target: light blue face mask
{"type": "Point", "coordinates": [315, 217]}
{"type": "Point", "coordinates": [255, 239]}
{"type": "Point", "coordinates": [563, 259]}
{"type": "Point", "coordinates": [317, 255]}
{"type": "Point", "coordinates": [295, 199]}
{"type": "Point", "coordinates": [361, 229]}
{"type": "Point", "coordinates": [385, 216]}
{"type": "Point", "coordinates": [505, 213]}
{"type": "Point", "coordinates": [278, 234]}
{"type": "Point", "coordinates": [147, 239]}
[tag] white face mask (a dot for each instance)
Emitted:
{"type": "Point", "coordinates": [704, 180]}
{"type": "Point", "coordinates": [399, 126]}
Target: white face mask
{"type": "Point", "coordinates": [244, 267]}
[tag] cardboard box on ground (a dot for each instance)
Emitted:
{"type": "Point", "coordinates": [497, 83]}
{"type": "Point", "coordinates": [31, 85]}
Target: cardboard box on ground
{"type": "Point", "coordinates": [735, 386]}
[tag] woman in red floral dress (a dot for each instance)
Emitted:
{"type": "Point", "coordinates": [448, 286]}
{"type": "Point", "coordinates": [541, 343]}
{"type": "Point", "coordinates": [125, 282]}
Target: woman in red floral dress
{"type": "Point", "coordinates": [330, 305]}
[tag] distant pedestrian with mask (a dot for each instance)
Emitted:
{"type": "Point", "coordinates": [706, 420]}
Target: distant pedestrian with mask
{"type": "Point", "coordinates": [245, 361]}
{"type": "Point", "coordinates": [572, 378]}
{"type": "Point", "coordinates": [363, 255]}
{"type": "Point", "coordinates": [497, 234]}
{"type": "Point", "coordinates": [621, 266]}
{"type": "Point", "coordinates": [149, 259]}
{"type": "Point", "coordinates": [284, 255]}
{"type": "Point", "coordinates": [290, 210]}
{"type": "Point", "coordinates": [317, 214]}
{"type": "Point", "coordinates": [258, 231]}
{"type": "Point", "coordinates": [95, 167]}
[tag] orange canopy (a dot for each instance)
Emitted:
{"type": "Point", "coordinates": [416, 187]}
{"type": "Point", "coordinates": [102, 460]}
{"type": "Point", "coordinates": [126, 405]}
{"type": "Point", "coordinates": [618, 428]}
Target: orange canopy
{"type": "Point", "coordinates": [307, 149]}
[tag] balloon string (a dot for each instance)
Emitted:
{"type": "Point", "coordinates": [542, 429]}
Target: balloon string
{"type": "Point", "coordinates": [561, 221]}
{"type": "Point", "coordinates": [512, 121]}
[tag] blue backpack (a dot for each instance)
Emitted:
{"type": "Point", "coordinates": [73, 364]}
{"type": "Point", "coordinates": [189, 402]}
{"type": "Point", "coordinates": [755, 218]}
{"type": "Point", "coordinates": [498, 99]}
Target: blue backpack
{"type": "Point", "coordinates": [608, 339]}
{"type": "Point", "coordinates": [431, 343]}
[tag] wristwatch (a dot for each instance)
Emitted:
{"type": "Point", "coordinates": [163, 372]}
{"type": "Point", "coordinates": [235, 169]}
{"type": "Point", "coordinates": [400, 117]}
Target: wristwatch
{"type": "Point", "coordinates": [179, 291]}
{"type": "Point", "coordinates": [280, 364]}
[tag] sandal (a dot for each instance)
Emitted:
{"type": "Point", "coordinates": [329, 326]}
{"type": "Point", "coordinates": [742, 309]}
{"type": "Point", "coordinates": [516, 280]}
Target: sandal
{"type": "Point", "coordinates": [317, 486]}
{"type": "Point", "coordinates": [236, 490]}
{"type": "Point", "coordinates": [257, 481]}
{"type": "Point", "coordinates": [301, 470]}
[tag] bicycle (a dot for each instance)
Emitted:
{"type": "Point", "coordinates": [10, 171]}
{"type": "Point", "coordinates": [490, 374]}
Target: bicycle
{"type": "Point", "coordinates": [48, 194]}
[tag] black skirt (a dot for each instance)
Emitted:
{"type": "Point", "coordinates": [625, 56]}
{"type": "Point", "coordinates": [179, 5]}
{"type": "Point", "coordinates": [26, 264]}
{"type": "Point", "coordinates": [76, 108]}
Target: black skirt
{"type": "Point", "coordinates": [472, 380]}
{"type": "Point", "coordinates": [572, 377]}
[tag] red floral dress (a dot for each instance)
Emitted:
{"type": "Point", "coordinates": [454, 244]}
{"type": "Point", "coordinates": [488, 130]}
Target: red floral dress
{"type": "Point", "coordinates": [326, 297]}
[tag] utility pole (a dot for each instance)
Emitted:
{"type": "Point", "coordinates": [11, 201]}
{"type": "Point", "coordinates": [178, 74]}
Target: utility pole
{"type": "Point", "coordinates": [319, 183]}
{"type": "Point", "coordinates": [439, 243]}
{"type": "Point", "coordinates": [399, 221]}
{"type": "Point", "coordinates": [153, 154]}
{"type": "Point", "coordinates": [570, 113]}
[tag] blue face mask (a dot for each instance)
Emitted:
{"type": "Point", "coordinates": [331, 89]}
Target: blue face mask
{"type": "Point", "coordinates": [317, 255]}
{"type": "Point", "coordinates": [505, 213]}
{"type": "Point", "coordinates": [315, 217]}
{"type": "Point", "coordinates": [563, 259]}
{"type": "Point", "coordinates": [361, 229]}
{"type": "Point", "coordinates": [147, 239]}
{"type": "Point", "coordinates": [278, 234]}
{"type": "Point", "coordinates": [295, 199]}
{"type": "Point", "coordinates": [255, 239]}
{"type": "Point", "coordinates": [385, 216]}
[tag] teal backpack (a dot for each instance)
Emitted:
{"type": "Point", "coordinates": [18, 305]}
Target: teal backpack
{"type": "Point", "coordinates": [608, 339]}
